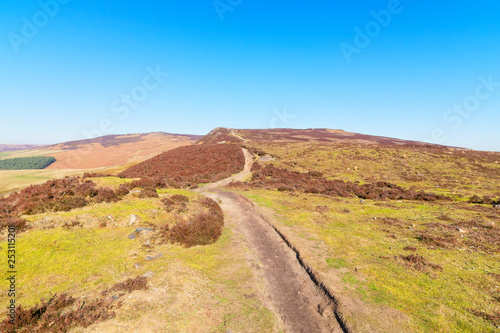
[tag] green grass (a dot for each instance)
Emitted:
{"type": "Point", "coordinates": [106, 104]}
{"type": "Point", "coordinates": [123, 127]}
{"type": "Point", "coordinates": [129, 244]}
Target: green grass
{"type": "Point", "coordinates": [58, 260]}
{"type": "Point", "coordinates": [171, 191]}
{"type": "Point", "coordinates": [203, 288]}
{"type": "Point", "coordinates": [110, 181]}
{"type": "Point", "coordinates": [351, 242]}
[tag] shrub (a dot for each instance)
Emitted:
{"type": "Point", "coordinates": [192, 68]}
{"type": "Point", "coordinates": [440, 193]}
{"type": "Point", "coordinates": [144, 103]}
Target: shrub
{"type": "Point", "coordinates": [123, 190]}
{"type": "Point", "coordinates": [65, 204]}
{"type": "Point", "coordinates": [168, 203]}
{"type": "Point", "coordinates": [96, 175]}
{"type": "Point", "coordinates": [138, 283]}
{"type": "Point", "coordinates": [179, 198]}
{"type": "Point", "coordinates": [86, 189]}
{"type": "Point", "coordinates": [56, 195]}
{"type": "Point", "coordinates": [201, 229]}
{"type": "Point", "coordinates": [151, 183]}
{"type": "Point", "coordinates": [213, 207]}
{"type": "Point", "coordinates": [16, 222]}
{"type": "Point", "coordinates": [148, 193]}
{"type": "Point", "coordinates": [476, 199]}
{"type": "Point", "coordinates": [316, 174]}
{"type": "Point", "coordinates": [419, 263]}
{"type": "Point", "coordinates": [285, 189]}
{"type": "Point", "coordinates": [188, 166]}
{"type": "Point", "coordinates": [105, 194]}
{"type": "Point", "coordinates": [312, 182]}
{"type": "Point", "coordinates": [59, 313]}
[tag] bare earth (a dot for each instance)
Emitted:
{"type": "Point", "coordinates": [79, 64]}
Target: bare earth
{"type": "Point", "coordinates": [300, 304]}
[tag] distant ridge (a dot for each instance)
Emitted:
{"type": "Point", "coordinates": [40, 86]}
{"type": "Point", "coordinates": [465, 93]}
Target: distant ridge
{"type": "Point", "coordinates": [116, 140]}
{"type": "Point", "coordinates": [7, 147]}
{"type": "Point", "coordinates": [113, 150]}
{"type": "Point", "coordinates": [220, 134]}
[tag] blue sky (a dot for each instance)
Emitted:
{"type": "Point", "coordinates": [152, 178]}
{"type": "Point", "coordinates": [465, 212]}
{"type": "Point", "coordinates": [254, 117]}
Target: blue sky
{"type": "Point", "coordinates": [423, 71]}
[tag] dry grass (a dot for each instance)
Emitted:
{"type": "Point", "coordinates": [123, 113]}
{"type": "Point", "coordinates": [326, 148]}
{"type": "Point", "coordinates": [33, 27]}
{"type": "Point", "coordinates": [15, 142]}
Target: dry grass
{"type": "Point", "coordinates": [363, 256]}
{"type": "Point", "coordinates": [191, 289]}
{"type": "Point", "coordinates": [452, 172]}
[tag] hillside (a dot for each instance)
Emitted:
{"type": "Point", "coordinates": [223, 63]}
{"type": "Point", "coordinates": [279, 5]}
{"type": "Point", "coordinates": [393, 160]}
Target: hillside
{"type": "Point", "coordinates": [312, 135]}
{"type": "Point", "coordinates": [346, 156]}
{"type": "Point", "coordinates": [114, 150]}
{"type": "Point", "coordinates": [190, 165]}
{"type": "Point", "coordinates": [393, 229]}
{"type": "Point", "coordinates": [307, 230]}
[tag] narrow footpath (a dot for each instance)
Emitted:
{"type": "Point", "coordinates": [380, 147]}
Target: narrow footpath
{"type": "Point", "coordinates": [297, 296]}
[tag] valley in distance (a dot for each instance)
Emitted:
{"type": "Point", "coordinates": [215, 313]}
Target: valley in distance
{"type": "Point", "coordinates": [271, 230]}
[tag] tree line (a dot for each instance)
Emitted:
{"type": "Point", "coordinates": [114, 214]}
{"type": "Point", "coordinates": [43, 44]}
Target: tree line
{"type": "Point", "coordinates": [27, 163]}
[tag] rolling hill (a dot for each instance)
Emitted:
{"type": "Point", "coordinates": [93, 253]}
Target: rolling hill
{"type": "Point", "coordinates": [307, 230]}
{"type": "Point", "coordinates": [313, 135]}
{"type": "Point", "coordinates": [114, 150]}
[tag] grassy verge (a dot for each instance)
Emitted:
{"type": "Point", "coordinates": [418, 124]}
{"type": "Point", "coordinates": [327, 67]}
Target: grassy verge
{"type": "Point", "coordinates": [370, 251]}
{"type": "Point", "coordinates": [203, 288]}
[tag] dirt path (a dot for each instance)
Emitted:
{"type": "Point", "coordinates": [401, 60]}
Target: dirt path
{"type": "Point", "coordinates": [239, 177]}
{"type": "Point", "coordinates": [297, 297]}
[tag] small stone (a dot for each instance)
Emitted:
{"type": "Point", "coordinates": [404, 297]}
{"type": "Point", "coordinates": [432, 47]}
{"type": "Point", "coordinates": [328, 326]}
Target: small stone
{"type": "Point", "coordinates": [133, 218]}
{"type": "Point", "coordinates": [138, 230]}
{"type": "Point", "coordinates": [137, 265]}
{"type": "Point", "coordinates": [148, 274]}
{"type": "Point", "coordinates": [131, 236]}
{"type": "Point", "coordinates": [461, 230]}
{"type": "Point", "coordinates": [149, 258]}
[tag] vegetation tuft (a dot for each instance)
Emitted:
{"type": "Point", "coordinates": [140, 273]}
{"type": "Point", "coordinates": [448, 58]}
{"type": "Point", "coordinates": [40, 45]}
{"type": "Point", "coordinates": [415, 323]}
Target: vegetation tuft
{"type": "Point", "coordinates": [54, 196]}
{"type": "Point", "coordinates": [419, 263]}
{"type": "Point", "coordinates": [59, 313]}
{"type": "Point", "coordinates": [199, 229]}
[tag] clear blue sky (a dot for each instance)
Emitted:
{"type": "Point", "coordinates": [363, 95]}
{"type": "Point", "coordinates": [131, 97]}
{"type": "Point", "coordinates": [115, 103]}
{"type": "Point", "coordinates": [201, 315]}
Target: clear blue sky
{"type": "Point", "coordinates": [71, 75]}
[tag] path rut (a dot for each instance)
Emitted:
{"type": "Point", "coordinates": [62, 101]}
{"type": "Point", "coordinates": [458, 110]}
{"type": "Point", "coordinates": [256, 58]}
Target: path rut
{"type": "Point", "coordinates": [299, 299]}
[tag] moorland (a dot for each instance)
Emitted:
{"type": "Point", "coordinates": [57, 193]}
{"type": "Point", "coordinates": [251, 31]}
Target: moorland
{"type": "Point", "coordinates": [360, 233]}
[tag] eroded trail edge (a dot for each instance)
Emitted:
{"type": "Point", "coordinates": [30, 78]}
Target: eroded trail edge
{"type": "Point", "coordinates": [303, 302]}
{"type": "Point", "coordinates": [324, 291]}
